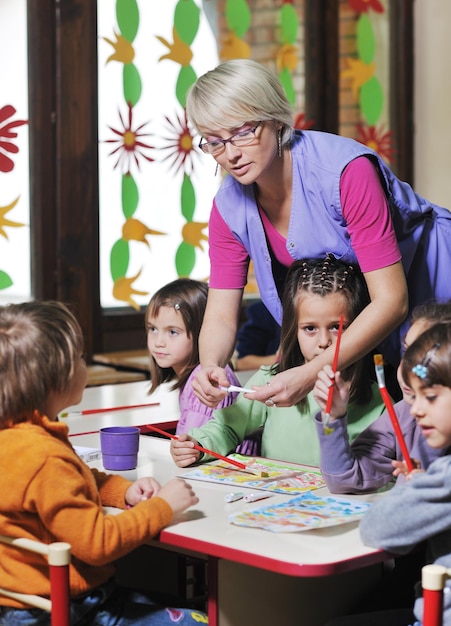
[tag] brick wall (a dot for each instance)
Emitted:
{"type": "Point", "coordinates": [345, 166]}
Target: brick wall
{"type": "Point", "coordinates": [263, 37]}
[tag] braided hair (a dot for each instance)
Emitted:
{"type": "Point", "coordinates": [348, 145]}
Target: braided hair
{"type": "Point", "coordinates": [323, 277]}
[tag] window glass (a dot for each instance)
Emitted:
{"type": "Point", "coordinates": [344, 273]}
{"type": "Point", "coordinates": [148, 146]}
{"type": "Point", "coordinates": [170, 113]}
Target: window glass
{"type": "Point", "coordinates": [15, 277]}
{"type": "Point", "coordinates": [156, 187]}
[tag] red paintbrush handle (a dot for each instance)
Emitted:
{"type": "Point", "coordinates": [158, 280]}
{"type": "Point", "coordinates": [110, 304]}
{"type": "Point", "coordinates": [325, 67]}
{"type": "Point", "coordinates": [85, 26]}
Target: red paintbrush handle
{"type": "Point", "coordinates": [330, 398]}
{"type": "Point", "coordinates": [398, 432]}
{"type": "Point", "coordinates": [334, 365]}
{"type": "Point", "coordinates": [196, 446]}
{"type": "Point", "coordinates": [118, 408]}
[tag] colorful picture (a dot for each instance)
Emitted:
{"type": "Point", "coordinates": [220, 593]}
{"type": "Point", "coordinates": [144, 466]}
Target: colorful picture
{"type": "Point", "coordinates": [305, 512]}
{"type": "Point", "coordinates": [273, 476]}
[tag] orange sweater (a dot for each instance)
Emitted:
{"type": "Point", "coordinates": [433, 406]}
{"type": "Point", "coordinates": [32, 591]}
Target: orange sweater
{"type": "Point", "coordinates": [49, 494]}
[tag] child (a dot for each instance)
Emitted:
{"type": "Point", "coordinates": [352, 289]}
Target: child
{"type": "Point", "coordinates": [173, 320]}
{"type": "Point", "coordinates": [419, 509]}
{"type": "Point", "coordinates": [317, 293]}
{"type": "Point", "coordinates": [367, 464]}
{"type": "Point", "coordinates": [49, 494]}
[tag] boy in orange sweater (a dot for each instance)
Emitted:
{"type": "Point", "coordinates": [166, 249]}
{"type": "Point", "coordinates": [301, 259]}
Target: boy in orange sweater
{"type": "Point", "coordinates": [49, 494]}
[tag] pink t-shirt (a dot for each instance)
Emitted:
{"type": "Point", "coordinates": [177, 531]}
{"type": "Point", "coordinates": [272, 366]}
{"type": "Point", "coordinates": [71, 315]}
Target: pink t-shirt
{"type": "Point", "coordinates": [365, 210]}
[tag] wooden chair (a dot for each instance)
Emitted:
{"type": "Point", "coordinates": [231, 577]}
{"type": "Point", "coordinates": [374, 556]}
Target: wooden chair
{"type": "Point", "coordinates": [433, 580]}
{"type": "Point", "coordinates": [58, 556]}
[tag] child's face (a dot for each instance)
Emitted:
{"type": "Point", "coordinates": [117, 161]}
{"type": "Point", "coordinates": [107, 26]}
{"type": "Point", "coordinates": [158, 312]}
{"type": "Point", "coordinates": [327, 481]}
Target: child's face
{"type": "Point", "coordinates": [318, 322]}
{"type": "Point", "coordinates": [413, 333]}
{"type": "Point", "coordinates": [431, 407]}
{"type": "Point", "coordinates": [167, 339]}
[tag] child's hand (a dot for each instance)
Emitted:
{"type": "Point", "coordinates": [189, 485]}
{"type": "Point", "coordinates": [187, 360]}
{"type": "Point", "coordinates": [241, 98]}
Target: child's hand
{"type": "Point", "coordinates": [340, 399]}
{"type": "Point", "coordinates": [142, 489]}
{"type": "Point", "coordinates": [401, 468]}
{"type": "Point", "coordinates": [183, 452]}
{"type": "Point", "coordinates": [178, 494]}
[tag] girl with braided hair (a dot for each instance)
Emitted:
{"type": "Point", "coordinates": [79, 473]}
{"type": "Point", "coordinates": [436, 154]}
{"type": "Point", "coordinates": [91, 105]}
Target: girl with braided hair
{"type": "Point", "coordinates": [317, 292]}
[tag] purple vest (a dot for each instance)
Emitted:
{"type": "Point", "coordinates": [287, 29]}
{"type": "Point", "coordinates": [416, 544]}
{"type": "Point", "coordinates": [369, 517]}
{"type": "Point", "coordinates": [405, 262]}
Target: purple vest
{"type": "Point", "coordinates": [423, 229]}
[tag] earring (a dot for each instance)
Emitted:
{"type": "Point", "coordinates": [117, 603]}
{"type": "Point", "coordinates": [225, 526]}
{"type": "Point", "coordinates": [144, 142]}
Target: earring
{"type": "Point", "coordinates": [279, 142]}
{"type": "Point", "coordinates": [217, 168]}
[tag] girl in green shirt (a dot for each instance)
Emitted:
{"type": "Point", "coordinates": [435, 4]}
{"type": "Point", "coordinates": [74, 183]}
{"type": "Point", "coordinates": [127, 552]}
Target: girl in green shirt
{"type": "Point", "coordinates": [317, 293]}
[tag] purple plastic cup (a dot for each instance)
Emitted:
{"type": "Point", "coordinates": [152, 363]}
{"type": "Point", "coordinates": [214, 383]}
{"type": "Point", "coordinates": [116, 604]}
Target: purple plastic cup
{"type": "Point", "coordinates": [119, 445]}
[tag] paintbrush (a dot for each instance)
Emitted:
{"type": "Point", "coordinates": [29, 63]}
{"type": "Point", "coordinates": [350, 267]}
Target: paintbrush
{"type": "Point", "coordinates": [107, 410]}
{"type": "Point", "coordinates": [380, 377]}
{"type": "Point", "coordinates": [326, 427]}
{"type": "Point", "coordinates": [231, 388]}
{"type": "Point", "coordinates": [242, 466]}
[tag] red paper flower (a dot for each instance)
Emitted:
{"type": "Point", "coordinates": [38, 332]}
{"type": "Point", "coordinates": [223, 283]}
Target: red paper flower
{"type": "Point", "coordinates": [364, 6]}
{"type": "Point", "coordinates": [130, 147]}
{"type": "Point", "coordinates": [180, 145]}
{"type": "Point", "coordinates": [378, 140]}
{"type": "Point", "coordinates": [6, 134]}
{"type": "Point", "coordinates": [300, 123]}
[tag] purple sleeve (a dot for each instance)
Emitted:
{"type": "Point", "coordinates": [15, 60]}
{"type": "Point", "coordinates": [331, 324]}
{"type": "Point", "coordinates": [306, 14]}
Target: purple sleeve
{"type": "Point", "coordinates": [194, 414]}
{"type": "Point", "coordinates": [366, 465]}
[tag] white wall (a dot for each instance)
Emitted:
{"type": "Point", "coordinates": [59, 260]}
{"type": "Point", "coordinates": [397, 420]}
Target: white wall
{"type": "Point", "coordinates": [432, 100]}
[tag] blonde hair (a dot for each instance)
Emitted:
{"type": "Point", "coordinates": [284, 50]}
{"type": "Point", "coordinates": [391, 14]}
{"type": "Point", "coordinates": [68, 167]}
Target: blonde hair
{"type": "Point", "coordinates": [236, 92]}
{"type": "Point", "coordinates": [40, 345]}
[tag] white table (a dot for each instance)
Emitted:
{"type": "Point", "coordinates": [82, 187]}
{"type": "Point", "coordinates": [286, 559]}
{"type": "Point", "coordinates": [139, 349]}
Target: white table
{"type": "Point", "coordinates": [256, 577]}
{"type": "Point", "coordinates": [165, 413]}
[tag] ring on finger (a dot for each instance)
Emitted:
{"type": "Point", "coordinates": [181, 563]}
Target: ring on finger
{"type": "Point", "coordinates": [270, 402]}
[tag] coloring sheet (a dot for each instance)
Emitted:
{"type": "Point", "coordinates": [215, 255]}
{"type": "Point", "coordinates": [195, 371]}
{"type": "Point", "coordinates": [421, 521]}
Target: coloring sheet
{"type": "Point", "coordinates": [274, 476]}
{"type": "Point", "coordinates": [305, 512]}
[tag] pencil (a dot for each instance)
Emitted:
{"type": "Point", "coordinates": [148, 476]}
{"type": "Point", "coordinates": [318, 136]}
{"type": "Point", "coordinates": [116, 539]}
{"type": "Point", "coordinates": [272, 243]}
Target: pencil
{"type": "Point", "coordinates": [379, 366]}
{"type": "Point", "coordinates": [107, 410]}
{"type": "Point", "coordinates": [326, 428]}
{"type": "Point", "coordinates": [196, 446]}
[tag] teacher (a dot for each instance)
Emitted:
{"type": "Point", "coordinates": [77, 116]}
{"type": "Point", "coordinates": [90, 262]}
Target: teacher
{"type": "Point", "coordinates": [296, 194]}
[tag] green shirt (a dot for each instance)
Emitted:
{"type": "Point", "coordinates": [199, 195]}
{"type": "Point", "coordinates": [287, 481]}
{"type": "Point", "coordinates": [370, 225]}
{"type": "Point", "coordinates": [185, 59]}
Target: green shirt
{"type": "Point", "coordinates": [289, 433]}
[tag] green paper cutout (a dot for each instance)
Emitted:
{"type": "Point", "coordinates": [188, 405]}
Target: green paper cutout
{"type": "Point", "coordinates": [186, 78]}
{"type": "Point", "coordinates": [287, 83]}
{"type": "Point", "coordinates": [371, 100]}
{"type": "Point", "coordinates": [119, 259]}
{"type": "Point", "coordinates": [366, 42]}
{"type": "Point", "coordinates": [288, 24]}
{"type": "Point", "coordinates": [186, 20]}
{"type": "Point", "coordinates": [185, 259]}
{"type": "Point", "coordinates": [188, 198]}
{"type": "Point", "coordinates": [130, 195]}
{"type": "Point", "coordinates": [132, 84]}
{"type": "Point", "coordinates": [127, 15]}
{"type": "Point", "coordinates": [5, 280]}
{"type": "Point", "coordinates": [238, 16]}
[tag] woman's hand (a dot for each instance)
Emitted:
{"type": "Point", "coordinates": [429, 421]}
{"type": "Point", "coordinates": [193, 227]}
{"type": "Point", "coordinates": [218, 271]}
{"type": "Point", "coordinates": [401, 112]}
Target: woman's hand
{"type": "Point", "coordinates": [340, 399]}
{"type": "Point", "coordinates": [183, 452]}
{"type": "Point", "coordinates": [286, 388]}
{"type": "Point", "coordinates": [206, 385]}
{"type": "Point", "coordinates": [142, 489]}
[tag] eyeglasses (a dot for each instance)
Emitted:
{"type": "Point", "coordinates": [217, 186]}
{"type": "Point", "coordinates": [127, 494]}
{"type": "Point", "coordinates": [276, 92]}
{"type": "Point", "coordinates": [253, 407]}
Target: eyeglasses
{"type": "Point", "coordinates": [242, 138]}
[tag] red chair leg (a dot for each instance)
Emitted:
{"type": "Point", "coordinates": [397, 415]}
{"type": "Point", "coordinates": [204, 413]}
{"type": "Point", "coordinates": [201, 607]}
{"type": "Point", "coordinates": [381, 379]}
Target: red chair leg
{"type": "Point", "coordinates": [59, 558]}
